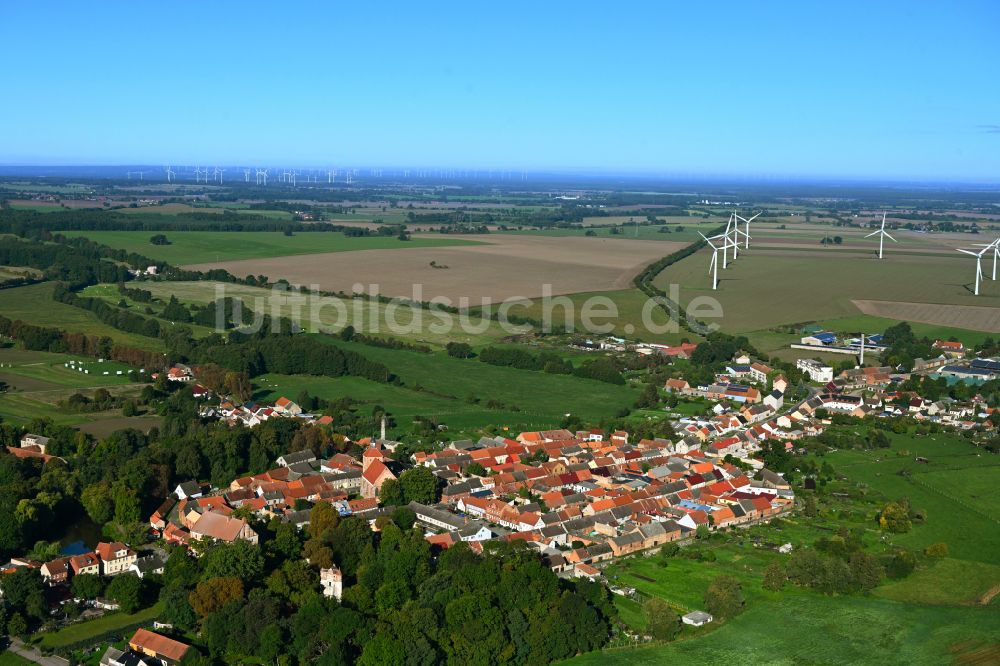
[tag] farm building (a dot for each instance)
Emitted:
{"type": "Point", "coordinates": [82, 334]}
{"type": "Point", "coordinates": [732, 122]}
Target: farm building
{"type": "Point", "coordinates": [819, 339]}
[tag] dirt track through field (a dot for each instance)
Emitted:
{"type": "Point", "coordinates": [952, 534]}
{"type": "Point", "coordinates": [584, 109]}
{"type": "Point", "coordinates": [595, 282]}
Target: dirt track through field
{"type": "Point", "coordinates": [499, 267]}
{"type": "Point", "coordinates": [972, 317]}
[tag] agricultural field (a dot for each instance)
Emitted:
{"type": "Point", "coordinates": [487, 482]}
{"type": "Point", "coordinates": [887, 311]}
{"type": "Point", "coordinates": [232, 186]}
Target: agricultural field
{"type": "Point", "coordinates": [173, 209]}
{"type": "Point", "coordinates": [11, 272]}
{"type": "Point", "coordinates": [689, 232]}
{"type": "Point", "coordinates": [540, 398]}
{"type": "Point", "coordinates": [212, 248]}
{"type": "Point", "coordinates": [767, 287]}
{"type": "Point", "coordinates": [415, 325]}
{"type": "Point", "coordinates": [493, 268]}
{"type": "Point", "coordinates": [34, 304]}
{"type": "Point", "coordinates": [979, 318]}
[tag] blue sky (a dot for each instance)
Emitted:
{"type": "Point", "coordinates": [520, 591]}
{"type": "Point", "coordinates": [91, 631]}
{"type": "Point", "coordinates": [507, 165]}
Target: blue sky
{"type": "Point", "coordinates": [887, 90]}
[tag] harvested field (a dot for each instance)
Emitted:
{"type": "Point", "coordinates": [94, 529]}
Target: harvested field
{"type": "Point", "coordinates": [973, 317]}
{"type": "Point", "coordinates": [497, 268]}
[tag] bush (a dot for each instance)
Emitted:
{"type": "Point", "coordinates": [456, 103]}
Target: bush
{"type": "Point", "coordinates": [459, 350]}
{"type": "Point", "coordinates": [774, 577]}
{"type": "Point", "coordinates": [939, 549]}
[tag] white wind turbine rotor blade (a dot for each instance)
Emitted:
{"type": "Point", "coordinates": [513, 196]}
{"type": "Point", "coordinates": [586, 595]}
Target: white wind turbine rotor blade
{"type": "Point", "coordinates": [969, 252]}
{"type": "Point", "coordinates": [886, 234]}
{"type": "Point", "coordinates": [874, 233]}
{"type": "Point", "coordinates": [883, 219]}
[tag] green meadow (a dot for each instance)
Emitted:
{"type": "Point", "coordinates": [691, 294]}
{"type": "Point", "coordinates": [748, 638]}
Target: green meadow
{"type": "Point", "coordinates": [202, 247]}
{"type": "Point", "coordinates": [815, 630]}
{"type": "Point", "coordinates": [540, 398]}
{"type": "Point", "coordinates": [402, 403]}
{"type": "Point", "coordinates": [38, 381]}
{"type": "Point", "coordinates": [34, 304]}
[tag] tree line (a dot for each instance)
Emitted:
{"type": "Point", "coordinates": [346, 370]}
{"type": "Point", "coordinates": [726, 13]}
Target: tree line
{"type": "Point", "coordinates": [602, 369]}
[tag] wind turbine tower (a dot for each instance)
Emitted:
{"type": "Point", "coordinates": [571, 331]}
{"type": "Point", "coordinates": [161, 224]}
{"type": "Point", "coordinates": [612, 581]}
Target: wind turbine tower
{"type": "Point", "coordinates": [713, 266]}
{"type": "Point", "coordinates": [995, 246]}
{"type": "Point", "coordinates": [746, 234]}
{"type": "Point", "coordinates": [882, 235]}
{"type": "Point", "coordinates": [979, 265]}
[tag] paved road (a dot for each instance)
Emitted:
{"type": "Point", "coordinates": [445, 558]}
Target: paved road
{"type": "Point", "coordinates": [18, 647]}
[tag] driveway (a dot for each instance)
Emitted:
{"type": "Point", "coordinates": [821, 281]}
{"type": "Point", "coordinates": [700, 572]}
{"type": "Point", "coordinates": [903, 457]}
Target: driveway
{"type": "Point", "coordinates": [18, 647]}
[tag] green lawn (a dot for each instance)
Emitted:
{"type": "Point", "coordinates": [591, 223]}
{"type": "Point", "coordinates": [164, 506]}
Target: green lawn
{"type": "Point", "coordinates": [84, 630]}
{"type": "Point", "coordinates": [11, 659]}
{"type": "Point", "coordinates": [34, 305]}
{"type": "Point", "coordinates": [199, 247]}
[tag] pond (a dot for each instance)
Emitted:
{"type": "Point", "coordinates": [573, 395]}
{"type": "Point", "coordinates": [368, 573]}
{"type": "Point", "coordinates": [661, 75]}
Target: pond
{"type": "Point", "coordinates": [80, 537]}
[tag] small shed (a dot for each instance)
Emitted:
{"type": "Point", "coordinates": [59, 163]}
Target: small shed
{"type": "Point", "coordinates": [697, 618]}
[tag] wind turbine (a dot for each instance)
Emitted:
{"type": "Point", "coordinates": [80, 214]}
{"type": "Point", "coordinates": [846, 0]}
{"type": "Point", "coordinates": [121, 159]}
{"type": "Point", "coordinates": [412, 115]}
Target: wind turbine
{"type": "Point", "coordinates": [728, 242]}
{"type": "Point", "coordinates": [995, 245]}
{"type": "Point", "coordinates": [170, 174]}
{"type": "Point", "coordinates": [733, 227]}
{"type": "Point", "coordinates": [713, 266]}
{"type": "Point", "coordinates": [882, 235]}
{"type": "Point", "coordinates": [246, 174]}
{"type": "Point", "coordinates": [746, 234]}
{"type": "Point", "coordinates": [979, 265]}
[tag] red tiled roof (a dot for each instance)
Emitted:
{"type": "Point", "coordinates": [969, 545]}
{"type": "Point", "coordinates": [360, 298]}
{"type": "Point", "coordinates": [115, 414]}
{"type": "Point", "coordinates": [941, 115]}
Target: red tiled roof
{"type": "Point", "coordinates": [161, 646]}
